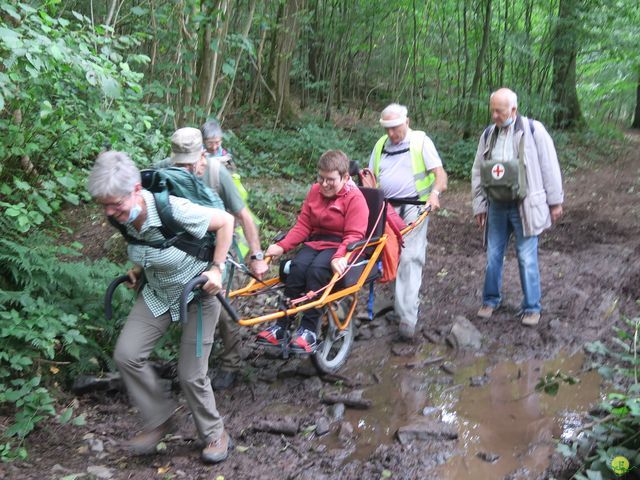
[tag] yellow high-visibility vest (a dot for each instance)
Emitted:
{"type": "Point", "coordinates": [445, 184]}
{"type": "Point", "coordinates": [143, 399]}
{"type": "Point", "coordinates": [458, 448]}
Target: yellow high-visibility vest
{"type": "Point", "coordinates": [423, 179]}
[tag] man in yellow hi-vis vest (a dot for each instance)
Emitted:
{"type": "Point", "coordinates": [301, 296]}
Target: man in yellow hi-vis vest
{"type": "Point", "coordinates": [407, 165]}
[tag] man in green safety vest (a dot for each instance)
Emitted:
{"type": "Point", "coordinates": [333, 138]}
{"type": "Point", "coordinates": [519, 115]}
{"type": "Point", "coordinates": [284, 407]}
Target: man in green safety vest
{"type": "Point", "coordinates": [407, 165]}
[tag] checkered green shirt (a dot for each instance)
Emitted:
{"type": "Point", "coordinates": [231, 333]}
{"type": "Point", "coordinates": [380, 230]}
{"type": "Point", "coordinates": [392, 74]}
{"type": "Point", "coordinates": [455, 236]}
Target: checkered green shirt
{"type": "Point", "coordinates": [168, 270]}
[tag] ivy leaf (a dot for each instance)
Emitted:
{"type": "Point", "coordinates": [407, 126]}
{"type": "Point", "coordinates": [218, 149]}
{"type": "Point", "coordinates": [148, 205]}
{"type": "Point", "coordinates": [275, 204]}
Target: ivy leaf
{"type": "Point", "coordinates": [79, 421]}
{"type": "Point", "coordinates": [72, 198]}
{"type": "Point", "coordinates": [10, 38]}
{"type": "Point", "coordinates": [68, 182]}
{"type": "Point", "coordinates": [66, 415]}
{"type": "Point", "coordinates": [43, 205]}
{"type": "Point", "coordinates": [110, 87]}
{"type": "Point", "coordinates": [228, 69]}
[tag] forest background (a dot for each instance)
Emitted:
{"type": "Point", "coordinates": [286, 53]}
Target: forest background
{"type": "Point", "coordinates": [288, 79]}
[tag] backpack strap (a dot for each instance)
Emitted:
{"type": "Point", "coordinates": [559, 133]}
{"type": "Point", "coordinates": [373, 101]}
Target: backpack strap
{"type": "Point", "coordinates": [488, 129]}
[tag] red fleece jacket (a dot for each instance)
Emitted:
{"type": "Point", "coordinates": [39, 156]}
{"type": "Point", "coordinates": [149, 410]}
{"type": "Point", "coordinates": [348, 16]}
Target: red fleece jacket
{"type": "Point", "coordinates": [344, 216]}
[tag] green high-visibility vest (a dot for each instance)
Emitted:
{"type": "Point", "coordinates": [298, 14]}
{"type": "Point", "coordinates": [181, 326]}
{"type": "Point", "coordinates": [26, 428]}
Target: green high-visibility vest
{"type": "Point", "coordinates": [423, 179]}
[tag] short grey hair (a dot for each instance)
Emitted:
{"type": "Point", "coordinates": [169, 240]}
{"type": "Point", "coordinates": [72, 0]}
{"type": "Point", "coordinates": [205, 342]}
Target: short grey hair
{"type": "Point", "coordinates": [211, 129]}
{"type": "Point", "coordinates": [512, 98]}
{"type": "Point", "coordinates": [395, 109]}
{"type": "Point", "coordinates": [113, 175]}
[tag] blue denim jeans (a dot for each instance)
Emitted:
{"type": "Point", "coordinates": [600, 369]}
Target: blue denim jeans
{"type": "Point", "coordinates": [503, 220]}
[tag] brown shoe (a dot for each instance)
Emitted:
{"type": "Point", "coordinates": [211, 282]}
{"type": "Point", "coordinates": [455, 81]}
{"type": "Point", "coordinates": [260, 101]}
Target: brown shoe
{"type": "Point", "coordinates": [145, 442]}
{"type": "Point", "coordinates": [485, 311]}
{"type": "Point", "coordinates": [218, 450]}
{"type": "Point", "coordinates": [531, 319]}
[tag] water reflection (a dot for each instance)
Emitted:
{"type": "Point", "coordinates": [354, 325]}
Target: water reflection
{"type": "Point", "coordinates": [505, 421]}
{"type": "Point", "coordinates": [508, 421]}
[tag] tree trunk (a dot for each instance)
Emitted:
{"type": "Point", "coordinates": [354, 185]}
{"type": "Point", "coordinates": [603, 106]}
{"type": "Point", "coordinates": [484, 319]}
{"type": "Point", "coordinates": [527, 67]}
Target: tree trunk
{"type": "Point", "coordinates": [283, 48]}
{"type": "Point", "coordinates": [636, 117]}
{"type": "Point", "coordinates": [245, 35]}
{"type": "Point", "coordinates": [567, 114]}
{"type": "Point", "coordinates": [475, 85]}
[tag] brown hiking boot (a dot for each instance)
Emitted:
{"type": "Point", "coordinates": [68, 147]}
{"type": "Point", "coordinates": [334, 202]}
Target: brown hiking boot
{"type": "Point", "coordinates": [485, 311]}
{"type": "Point", "coordinates": [531, 319]}
{"type": "Point", "coordinates": [217, 450]}
{"type": "Point", "coordinates": [145, 442]}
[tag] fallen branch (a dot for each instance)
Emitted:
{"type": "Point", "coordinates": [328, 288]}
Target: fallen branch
{"type": "Point", "coordinates": [287, 426]}
{"type": "Point", "coordinates": [352, 399]}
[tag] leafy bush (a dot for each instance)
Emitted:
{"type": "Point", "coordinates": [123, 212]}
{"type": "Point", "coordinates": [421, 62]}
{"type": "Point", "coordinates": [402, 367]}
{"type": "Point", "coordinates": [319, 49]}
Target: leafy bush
{"type": "Point", "coordinates": [614, 429]}
{"type": "Point", "coordinates": [289, 153]}
{"type": "Point", "coordinates": [67, 89]}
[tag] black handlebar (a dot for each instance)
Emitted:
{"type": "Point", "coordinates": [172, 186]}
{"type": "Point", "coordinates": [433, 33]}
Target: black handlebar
{"type": "Point", "coordinates": [108, 297]}
{"type": "Point", "coordinates": [189, 287]}
{"type": "Point", "coordinates": [192, 285]}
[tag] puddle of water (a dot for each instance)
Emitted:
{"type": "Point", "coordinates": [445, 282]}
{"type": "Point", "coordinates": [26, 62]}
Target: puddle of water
{"type": "Point", "coordinates": [505, 417]}
{"type": "Point", "coordinates": [399, 397]}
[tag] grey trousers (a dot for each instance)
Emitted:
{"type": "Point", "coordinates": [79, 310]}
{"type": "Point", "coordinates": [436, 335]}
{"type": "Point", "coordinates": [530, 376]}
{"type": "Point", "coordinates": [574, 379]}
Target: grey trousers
{"type": "Point", "coordinates": [409, 277]}
{"type": "Point", "coordinates": [231, 358]}
{"type": "Point", "coordinates": [136, 341]}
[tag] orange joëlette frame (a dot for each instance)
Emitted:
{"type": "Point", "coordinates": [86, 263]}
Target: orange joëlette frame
{"type": "Point", "coordinates": [328, 295]}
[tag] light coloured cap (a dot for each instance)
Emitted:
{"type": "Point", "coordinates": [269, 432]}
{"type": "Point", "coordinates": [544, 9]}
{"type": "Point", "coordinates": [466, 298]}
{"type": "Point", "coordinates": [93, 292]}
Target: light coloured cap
{"type": "Point", "coordinates": [393, 122]}
{"type": "Point", "coordinates": [186, 146]}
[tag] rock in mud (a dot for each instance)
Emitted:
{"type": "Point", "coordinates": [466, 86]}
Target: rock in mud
{"type": "Point", "coordinates": [478, 381]}
{"type": "Point", "coordinates": [364, 333]}
{"type": "Point", "coordinates": [99, 471]}
{"type": "Point", "coordinates": [426, 430]}
{"type": "Point", "coordinates": [336, 411]}
{"type": "Point", "coordinates": [322, 426]}
{"type": "Point", "coordinates": [89, 383]}
{"type": "Point", "coordinates": [346, 431]}
{"type": "Point", "coordinates": [448, 367]}
{"type": "Point", "coordinates": [488, 456]}
{"type": "Point", "coordinates": [403, 350]}
{"type": "Point", "coordinates": [466, 334]}
{"type": "Point", "coordinates": [432, 337]}
{"type": "Point", "coordinates": [431, 411]}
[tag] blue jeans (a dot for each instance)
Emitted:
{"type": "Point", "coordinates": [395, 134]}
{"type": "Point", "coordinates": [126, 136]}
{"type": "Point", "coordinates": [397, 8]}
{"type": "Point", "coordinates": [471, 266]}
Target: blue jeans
{"type": "Point", "coordinates": [503, 220]}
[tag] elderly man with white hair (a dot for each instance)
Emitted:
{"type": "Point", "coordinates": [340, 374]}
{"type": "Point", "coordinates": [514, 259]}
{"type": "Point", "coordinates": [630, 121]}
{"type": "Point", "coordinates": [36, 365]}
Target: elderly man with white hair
{"type": "Point", "coordinates": [407, 165]}
{"type": "Point", "coordinates": [517, 189]}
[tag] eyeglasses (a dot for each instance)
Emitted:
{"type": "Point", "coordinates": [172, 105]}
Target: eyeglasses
{"type": "Point", "coordinates": [330, 181]}
{"type": "Point", "coordinates": [118, 204]}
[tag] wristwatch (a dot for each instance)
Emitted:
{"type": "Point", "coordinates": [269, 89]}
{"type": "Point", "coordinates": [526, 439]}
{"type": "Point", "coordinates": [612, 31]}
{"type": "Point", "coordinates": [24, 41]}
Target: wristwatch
{"type": "Point", "coordinates": [220, 266]}
{"type": "Point", "coordinates": [258, 255]}
{"type": "Point", "coordinates": [436, 192]}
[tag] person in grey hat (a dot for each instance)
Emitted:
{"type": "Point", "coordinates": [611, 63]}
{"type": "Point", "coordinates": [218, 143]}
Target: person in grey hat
{"type": "Point", "coordinates": [115, 184]}
{"type": "Point", "coordinates": [187, 152]}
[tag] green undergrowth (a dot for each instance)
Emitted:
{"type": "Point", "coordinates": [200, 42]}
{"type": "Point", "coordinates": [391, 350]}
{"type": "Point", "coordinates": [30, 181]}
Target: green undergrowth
{"type": "Point", "coordinates": [52, 328]}
{"type": "Point", "coordinates": [610, 437]}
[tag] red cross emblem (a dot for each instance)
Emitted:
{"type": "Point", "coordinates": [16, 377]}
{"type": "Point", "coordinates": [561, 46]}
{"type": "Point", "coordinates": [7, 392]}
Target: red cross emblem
{"type": "Point", "coordinates": [497, 171]}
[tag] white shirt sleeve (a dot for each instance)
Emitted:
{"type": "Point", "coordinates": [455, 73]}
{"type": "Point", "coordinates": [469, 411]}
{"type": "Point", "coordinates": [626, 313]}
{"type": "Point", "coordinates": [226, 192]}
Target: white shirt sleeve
{"type": "Point", "coordinates": [430, 154]}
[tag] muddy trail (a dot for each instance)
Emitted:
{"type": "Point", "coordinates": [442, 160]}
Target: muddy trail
{"type": "Point", "coordinates": [437, 411]}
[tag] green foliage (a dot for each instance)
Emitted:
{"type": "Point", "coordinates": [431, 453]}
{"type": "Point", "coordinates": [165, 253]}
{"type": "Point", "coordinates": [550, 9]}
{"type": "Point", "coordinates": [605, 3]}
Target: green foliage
{"type": "Point", "coordinates": [288, 153]}
{"type": "Point", "coordinates": [550, 383]}
{"type": "Point", "coordinates": [68, 87]}
{"type": "Point", "coordinates": [615, 430]}
{"type": "Point", "coordinates": [50, 317]}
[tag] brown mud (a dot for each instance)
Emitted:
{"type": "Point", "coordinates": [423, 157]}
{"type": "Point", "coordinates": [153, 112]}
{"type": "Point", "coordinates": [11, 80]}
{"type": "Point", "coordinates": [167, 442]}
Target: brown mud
{"type": "Point", "coordinates": [590, 267]}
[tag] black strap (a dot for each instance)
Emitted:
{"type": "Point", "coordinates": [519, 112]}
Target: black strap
{"type": "Point", "coordinates": [398, 152]}
{"type": "Point", "coordinates": [405, 201]}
